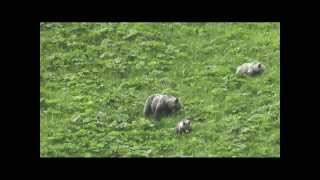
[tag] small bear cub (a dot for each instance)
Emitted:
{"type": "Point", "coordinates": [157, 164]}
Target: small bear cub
{"type": "Point", "coordinates": [183, 126]}
{"type": "Point", "coordinates": [250, 69]}
{"type": "Point", "coordinates": [161, 104]}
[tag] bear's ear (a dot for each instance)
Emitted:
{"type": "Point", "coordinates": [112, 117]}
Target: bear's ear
{"type": "Point", "coordinates": [176, 100]}
{"type": "Point", "coordinates": [259, 65]}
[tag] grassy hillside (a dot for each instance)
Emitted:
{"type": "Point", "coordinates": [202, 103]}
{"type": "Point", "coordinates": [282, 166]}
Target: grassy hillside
{"type": "Point", "coordinates": [95, 78]}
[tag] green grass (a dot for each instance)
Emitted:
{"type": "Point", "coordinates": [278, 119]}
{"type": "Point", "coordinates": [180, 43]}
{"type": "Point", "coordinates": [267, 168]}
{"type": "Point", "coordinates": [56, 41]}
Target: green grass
{"type": "Point", "coordinates": [95, 78]}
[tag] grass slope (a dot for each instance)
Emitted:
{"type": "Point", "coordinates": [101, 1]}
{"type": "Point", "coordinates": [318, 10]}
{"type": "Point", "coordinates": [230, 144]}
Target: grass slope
{"type": "Point", "coordinates": [95, 78]}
